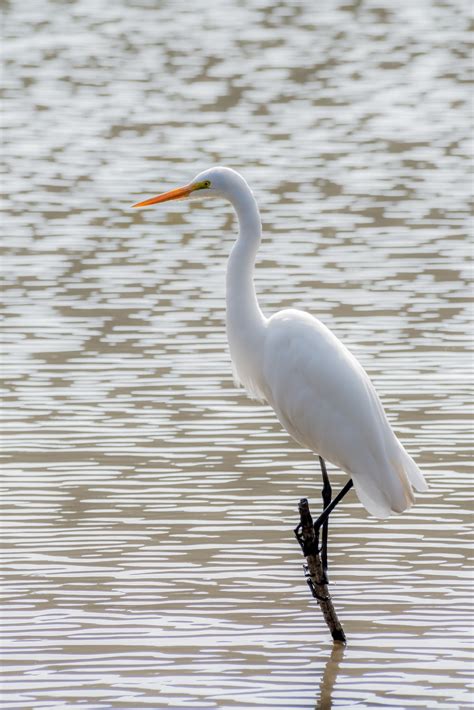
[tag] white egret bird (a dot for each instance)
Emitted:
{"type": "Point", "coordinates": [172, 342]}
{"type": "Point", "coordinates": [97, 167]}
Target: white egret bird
{"type": "Point", "coordinates": [318, 390]}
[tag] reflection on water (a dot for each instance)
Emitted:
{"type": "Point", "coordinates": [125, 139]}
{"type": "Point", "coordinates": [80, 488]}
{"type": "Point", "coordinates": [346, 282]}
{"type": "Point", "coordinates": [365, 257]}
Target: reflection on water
{"type": "Point", "coordinates": [147, 504]}
{"type": "Point", "coordinates": [329, 677]}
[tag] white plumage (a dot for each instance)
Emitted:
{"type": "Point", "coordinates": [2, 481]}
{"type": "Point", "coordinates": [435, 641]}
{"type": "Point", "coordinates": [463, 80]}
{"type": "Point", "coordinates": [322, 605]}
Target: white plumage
{"type": "Point", "coordinates": [325, 400]}
{"type": "Point", "coordinates": [319, 391]}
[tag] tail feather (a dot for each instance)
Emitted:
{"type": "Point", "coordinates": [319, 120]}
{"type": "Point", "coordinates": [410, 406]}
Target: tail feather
{"type": "Point", "coordinates": [383, 495]}
{"type": "Point", "coordinates": [413, 472]}
{"type": "Point", "coordinates": [373, 500]}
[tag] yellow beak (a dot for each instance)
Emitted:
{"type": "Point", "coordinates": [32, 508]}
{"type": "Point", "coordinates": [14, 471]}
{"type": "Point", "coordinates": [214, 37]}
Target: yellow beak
{"type": "Point", "coordinates": [177, 194]}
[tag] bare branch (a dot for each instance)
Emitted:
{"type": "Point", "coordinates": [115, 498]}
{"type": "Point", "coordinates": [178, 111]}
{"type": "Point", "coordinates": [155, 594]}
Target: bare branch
{"type": "Point", "coordinates": [315, 576]}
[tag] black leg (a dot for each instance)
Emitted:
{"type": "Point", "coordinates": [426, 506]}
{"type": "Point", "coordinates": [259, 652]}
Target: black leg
{"type": "Point", "coordinates": [322, 520]}
{"type": "Point", "coordinates": [327, 496]}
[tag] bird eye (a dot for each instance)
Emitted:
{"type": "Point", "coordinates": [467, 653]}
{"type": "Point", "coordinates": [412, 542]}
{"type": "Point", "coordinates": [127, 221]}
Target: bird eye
{"type": "Point", "coordinates": [203, 185]}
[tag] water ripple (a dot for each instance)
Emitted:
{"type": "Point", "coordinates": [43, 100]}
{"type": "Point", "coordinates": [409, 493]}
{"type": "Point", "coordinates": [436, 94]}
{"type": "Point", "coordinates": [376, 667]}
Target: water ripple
{"type": "Point", "coordinates": [147, 504]}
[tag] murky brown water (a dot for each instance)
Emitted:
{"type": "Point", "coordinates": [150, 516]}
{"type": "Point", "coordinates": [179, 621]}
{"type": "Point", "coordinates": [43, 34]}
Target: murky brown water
{"type": "Point", "coordinates": [149, 559]}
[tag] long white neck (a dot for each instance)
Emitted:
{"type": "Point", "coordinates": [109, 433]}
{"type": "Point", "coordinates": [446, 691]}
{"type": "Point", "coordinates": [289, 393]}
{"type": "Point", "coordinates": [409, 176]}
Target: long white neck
{"type": "Point", "coordinates": [245, 321]}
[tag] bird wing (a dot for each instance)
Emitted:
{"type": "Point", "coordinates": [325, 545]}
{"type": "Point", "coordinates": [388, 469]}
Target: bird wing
{"type": "Point", "coordinates": [325, 400]}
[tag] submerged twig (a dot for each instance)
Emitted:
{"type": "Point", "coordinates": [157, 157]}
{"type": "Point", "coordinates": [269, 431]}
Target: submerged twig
{"type": "Point", "coordinates": [314, 572]}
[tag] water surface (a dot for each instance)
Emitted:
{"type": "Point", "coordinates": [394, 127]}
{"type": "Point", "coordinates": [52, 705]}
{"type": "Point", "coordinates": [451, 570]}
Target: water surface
{"type": "Point", "coordinates": [148, 505]}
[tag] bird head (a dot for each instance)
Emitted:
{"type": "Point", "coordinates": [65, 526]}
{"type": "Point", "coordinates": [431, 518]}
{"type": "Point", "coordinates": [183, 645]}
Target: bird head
{"type": "Point", "coordinates": [214, 182]}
